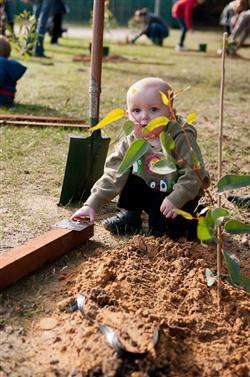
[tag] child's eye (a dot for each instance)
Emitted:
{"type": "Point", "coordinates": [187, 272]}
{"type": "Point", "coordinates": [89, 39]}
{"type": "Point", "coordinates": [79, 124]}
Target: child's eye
{"type": "Point", "coordinates": [154, 109]}
{"type": "Point", "coordinates": [136, 111]}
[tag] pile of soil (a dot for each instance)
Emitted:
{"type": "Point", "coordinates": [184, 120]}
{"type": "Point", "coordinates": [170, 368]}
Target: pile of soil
{"type": "Point", "coordinates": [146, 284]}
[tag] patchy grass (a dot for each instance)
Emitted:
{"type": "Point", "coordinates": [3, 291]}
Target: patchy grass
{"type": "Point", "coordinates": [33, 159]}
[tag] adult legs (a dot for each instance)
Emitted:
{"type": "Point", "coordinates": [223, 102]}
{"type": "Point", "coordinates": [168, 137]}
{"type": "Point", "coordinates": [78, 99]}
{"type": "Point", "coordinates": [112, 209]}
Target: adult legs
{"type": "Point", "coordinates": [57, 27]}
{"type": "Point", "coordinates": [183, 32]}
{"type": "Point", "coordinates": [41, 15]}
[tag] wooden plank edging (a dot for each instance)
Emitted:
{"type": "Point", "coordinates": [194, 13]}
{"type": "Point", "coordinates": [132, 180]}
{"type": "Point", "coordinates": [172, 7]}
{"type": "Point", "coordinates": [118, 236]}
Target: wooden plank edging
{"type": "Point", "coordinates": [27, 258]}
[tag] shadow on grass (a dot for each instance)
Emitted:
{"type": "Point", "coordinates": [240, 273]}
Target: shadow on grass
{"type": "Point", "coordinates": [32, 109]}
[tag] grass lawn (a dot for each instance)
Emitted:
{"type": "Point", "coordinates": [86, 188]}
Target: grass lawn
{"type": "Point", "coordinates": [33, 159]}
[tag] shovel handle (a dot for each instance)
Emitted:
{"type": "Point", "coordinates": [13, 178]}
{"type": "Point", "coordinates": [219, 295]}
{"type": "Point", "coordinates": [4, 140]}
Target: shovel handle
{"type": "Point", "coordinates": [96, 61]}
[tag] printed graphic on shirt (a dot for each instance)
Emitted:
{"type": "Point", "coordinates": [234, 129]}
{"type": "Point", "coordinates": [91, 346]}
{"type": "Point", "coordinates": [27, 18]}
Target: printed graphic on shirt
{"type": "Point", "coordinates": [142, 168]}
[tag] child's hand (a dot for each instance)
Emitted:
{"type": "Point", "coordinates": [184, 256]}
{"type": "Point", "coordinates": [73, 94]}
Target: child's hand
{"type": "Point", "coordinates": [167, 209]}
{"type": "Point", "coordinates": [83, 212]}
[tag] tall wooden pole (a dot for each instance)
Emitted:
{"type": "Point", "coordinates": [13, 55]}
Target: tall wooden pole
{"type": "Point", "coordinates": [96, 61]}
{"type": "Point", "coordinates": [219, 231]}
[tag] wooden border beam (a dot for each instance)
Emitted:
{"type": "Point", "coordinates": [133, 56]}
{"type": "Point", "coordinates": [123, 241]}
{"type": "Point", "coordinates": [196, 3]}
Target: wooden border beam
{"type": "Point", "coordinates": [27, 258]}
{"type": "Point", "coordinates": [41, 124]}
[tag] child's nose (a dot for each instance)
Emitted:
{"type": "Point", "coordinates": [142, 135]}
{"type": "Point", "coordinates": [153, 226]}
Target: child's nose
{"type": "Point", "coordinates": [144, 116]}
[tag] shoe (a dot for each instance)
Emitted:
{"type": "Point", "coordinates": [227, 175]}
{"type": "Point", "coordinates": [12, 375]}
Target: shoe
{"type": "Point", "coordinates": [158, 41]}
{"type": "Point", "coordinates": [180, 48]}
{"type": "Point", "coordinates": [125, 222]}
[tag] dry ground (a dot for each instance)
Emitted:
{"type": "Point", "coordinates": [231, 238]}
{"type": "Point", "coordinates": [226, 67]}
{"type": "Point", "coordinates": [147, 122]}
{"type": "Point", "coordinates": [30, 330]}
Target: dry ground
{"type": "Point", "coordinates": [133, 285]}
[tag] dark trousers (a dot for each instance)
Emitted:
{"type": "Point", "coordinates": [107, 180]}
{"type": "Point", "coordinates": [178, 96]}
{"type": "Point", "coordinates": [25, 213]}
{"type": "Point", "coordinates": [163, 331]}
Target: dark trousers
{"type": "Point", "coordinates": [57, 27]}
{"type": "Point", "coordinates": [136, 195]}
{"type": "Point", "coordinates": [157, 30]}
{"type": "Point", "coordinates": [183, 28]}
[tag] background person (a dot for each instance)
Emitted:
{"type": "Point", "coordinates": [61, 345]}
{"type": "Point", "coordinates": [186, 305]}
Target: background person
{"type": "Point", "coordinates": [155, 28]}
{"type": "Point", "coordinates": [58, 10]}
{"type": "Point", "coordinates": [230, 13]}
{"type": "Point", "coordinates": [139, 187]}
{"type": "Point", "coordinates": [10, 71]}
{"type": "Point", "coordinates": [182, 10]}
{"type": "Point", "coordinates": [35, 42]}
{"type": "Point", "coordinates": [241, 30]}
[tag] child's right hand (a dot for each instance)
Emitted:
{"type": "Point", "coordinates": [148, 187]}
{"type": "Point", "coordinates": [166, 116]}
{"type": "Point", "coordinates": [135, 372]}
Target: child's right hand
{"type": "Point", "coordinates": [85, 211]}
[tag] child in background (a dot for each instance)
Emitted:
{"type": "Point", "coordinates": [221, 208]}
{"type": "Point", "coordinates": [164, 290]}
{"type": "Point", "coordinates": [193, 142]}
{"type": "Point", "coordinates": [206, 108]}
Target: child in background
{"type": "Point", "coordinates": [182, 10]}
{"type": "Point", "coordinates": [155, 28]}
{"type": "Point", "coordinates": [142, 189]}
{"type": "Point", "coordinates": [10, 72]}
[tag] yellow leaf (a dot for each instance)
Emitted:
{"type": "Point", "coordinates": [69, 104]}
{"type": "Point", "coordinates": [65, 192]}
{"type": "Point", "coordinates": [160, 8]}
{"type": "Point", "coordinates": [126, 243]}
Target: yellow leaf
{"type": "Point", "coordinates": [111, 117]}
{"type": "Point", "coordinates": [164, 98]}
{"type": "Point", "coordinates": [191, 118]}
{"type": "Point", "coordinates": [184, 214]}
{"type": "Point", "coordinates": [155, 123]}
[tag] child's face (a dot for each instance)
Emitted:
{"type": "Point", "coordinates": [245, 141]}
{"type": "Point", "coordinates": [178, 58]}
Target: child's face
{"type": "Point", "coordinates": [143, 106]}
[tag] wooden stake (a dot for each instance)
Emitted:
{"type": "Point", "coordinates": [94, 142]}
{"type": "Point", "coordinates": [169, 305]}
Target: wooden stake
{"type": "Point", "coordinates": [219, 231]}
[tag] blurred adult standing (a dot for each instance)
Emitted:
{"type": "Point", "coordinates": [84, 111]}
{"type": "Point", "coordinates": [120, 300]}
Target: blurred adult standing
{"type": "Point", "coordinates": [59, 9]}
{"type": "Point", "coordinates": [182, 10]}
{"type": "Point", "coordinates": [35, 43]}
{"type": "Point", "coordinates": [10, 14]}
{"type": "Point", "coordinates": [155, 28]}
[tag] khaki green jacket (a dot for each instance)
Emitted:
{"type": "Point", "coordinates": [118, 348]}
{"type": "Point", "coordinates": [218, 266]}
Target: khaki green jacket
{"type": "Point", "coordinates": [189, 184]}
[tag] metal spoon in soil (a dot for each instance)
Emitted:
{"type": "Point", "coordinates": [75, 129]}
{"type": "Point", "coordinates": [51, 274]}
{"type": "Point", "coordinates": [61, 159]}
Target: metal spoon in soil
{"type": "Point", "coordinates": [109, 333]}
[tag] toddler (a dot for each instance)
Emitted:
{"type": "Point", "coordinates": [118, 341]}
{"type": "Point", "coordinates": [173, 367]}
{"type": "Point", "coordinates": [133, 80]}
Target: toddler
{"type": "Point", "coordinates": [10, 72]}
{"type": "Point", "coordinates": [140, 188]}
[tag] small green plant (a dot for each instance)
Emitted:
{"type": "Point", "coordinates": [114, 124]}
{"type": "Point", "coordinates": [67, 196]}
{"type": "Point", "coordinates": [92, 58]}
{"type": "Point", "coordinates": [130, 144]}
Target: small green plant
{"type": "Point", "coordinates": [217, 222]}
{"type": "Point", "coordinates": [26, 33]}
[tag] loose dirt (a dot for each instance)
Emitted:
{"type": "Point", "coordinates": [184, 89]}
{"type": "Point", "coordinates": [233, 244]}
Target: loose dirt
{"type": "Point", "coordinates": [143, 284]}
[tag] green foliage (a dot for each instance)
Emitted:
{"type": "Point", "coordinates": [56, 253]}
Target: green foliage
{"type": "Point", "coordinates": [25, 33]}
{"type": "Point", "coordinates": [136, 150]}
{"type": "Point", "coordinates": [164, 167]}
{"type": "Point", "coordinates": [236, 227]}
{"type": "Point", "coordinates": [235, 278]}
{"type": "Point", "coordinates": [231, 182]}
{"type": "Point", "coordinates": [128, 127]}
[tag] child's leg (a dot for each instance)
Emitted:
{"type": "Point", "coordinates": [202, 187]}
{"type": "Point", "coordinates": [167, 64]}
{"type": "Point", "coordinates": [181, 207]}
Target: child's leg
{"type": "Point", "coordinates": [180, 227]}
{"type": "Point", "coordinates": [131, 202]}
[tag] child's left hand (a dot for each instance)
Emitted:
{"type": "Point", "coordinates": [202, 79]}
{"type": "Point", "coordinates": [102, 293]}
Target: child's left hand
{"type": "Point", "coordinates": [167, 209]}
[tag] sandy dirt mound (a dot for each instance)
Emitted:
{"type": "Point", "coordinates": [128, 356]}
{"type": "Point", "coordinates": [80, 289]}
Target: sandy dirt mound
{"type": "Point", "coordinates": [148, 283]}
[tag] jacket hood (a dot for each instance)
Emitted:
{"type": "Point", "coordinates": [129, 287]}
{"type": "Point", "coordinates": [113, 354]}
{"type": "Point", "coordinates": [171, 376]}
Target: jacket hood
{"type": "Point", "coordinates": [15, 69]}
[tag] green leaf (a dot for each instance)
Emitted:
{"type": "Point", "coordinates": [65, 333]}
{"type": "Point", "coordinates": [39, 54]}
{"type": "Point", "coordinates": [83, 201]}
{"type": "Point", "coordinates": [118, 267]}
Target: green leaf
{"type": "Point", "coordinates": [233, 267]}
{"type": "Point", "coordinates": [128, 127]}
{"type": "Point", "coordinates": [203, 231]}
{"type": "Point", "coordinates": [210, 277]}
{"type": "Point", "coordinates": [167, 143]}
{"type": "Point", "coordinates": [195, 160]}
{"type": "Point", "coordinates": [218, 215]}
{"type": "Point", "coordinates": [245, 282]}
{"type": "Point", "coordinates": [136, 150]}
{"type": "Point", "coordinates": [163, 167]}
{"type": "Point", "coordinates": [236, 227]}
{"type": "Point", "coordinates": [231, 182]}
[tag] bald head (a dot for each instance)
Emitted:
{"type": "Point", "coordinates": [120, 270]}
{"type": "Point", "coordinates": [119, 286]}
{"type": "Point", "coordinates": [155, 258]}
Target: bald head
{"type": "Point", "coordinates": [149, 83]}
